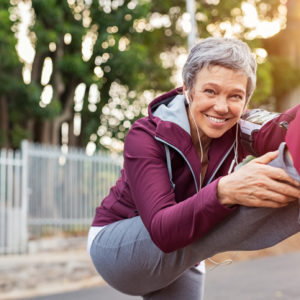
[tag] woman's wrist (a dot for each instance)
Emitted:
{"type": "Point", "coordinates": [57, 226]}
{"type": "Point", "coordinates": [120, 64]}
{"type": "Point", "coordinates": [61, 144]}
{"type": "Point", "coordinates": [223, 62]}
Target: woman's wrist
{"type": "Point", "coordinates": [223, 193]}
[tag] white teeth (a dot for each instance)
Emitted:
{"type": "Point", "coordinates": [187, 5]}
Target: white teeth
{"type": "Point", "coordinates": [216, 120]}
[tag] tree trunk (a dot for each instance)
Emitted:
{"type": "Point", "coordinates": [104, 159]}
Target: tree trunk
{"type": "Point", "coordinates": [57, 81]}
{"type": "Point", "coordinates": [65, 95]}
{"type": "Point", "coordinates": [30, 128]}
{"type": "Point", "coordinates": [46, 132]}
{"type": "Point", "coordinates": [72, 137]}
{"type": "Point", "coordinates": [37, 68]}
{"type": "Point", "coordinates": [66, 116]}
{"type": "Point", "coordinates": [4, 138]}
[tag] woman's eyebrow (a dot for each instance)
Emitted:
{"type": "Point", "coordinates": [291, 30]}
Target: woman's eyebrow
{"type": "Point", "coordinates": [211, 84]}
{"type": "Point", "coordinates": [215, 85]}
{"type": "Point", "coordinates": [237, 90]}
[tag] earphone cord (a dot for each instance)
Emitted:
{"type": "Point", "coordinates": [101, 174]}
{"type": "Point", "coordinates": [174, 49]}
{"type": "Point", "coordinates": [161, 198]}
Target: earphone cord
{"type": "Point", "coordinates": [235, 160]}
{"type": "Point", "coordinates": [201, 149]}
{"type": "Point", "coordinates": [222, 263]}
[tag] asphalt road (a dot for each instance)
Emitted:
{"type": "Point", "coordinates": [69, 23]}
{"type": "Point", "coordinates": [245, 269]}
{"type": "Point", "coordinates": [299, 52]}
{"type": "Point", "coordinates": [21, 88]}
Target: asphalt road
{"type": "Point", "coordinates": [269, 278]}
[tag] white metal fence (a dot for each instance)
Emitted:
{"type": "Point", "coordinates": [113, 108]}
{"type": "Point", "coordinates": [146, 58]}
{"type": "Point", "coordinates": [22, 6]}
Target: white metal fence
{"type": "Point", "coordinates": [44, 189]}
{"type": "Point", "coordinates": [13, 218]}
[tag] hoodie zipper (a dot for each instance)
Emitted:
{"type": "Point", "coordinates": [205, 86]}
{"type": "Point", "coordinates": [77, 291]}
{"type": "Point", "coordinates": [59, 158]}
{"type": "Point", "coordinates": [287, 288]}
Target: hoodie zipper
{"type": "Point", "coordinates": [189, 165]}
{"type": "Point", "coordinates": [220, 164]}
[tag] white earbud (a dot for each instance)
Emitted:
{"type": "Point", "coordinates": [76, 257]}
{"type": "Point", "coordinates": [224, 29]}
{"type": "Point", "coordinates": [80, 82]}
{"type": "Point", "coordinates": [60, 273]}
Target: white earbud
{"type": "Point", "coordinates": [186, 94]}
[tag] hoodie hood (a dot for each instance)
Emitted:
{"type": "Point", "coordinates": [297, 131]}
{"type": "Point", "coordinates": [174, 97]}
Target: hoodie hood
{"type": "Point", "coordinates": [169, 117]}
{"type": "Point", "coordinates": [174, 111]}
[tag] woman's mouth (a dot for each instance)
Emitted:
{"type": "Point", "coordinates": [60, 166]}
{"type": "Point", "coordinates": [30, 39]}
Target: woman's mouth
{"type": "Point", "coordinates": [216, 120]}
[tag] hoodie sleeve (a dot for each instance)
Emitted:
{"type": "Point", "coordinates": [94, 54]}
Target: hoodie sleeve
{"type": "Point", "coordinates": [271, 134]}
{"type": "Point", "coordinates": [171, 225]}
{"type": "Point", "coordinates": [293, 140]}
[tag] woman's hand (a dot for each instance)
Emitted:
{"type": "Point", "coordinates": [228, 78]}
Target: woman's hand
{"type": "Point", "coordinates": [259, 185]}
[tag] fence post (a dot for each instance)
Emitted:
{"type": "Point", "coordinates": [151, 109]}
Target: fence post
{"type": "Point", "coordinates": [24, 196]}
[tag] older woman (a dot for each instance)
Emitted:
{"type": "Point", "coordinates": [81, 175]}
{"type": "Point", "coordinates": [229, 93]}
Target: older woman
{"type": "Point", "coordinates": [175, 203]}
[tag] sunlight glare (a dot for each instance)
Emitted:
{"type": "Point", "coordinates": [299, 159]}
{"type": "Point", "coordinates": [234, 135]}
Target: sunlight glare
{"type": "Point", "coordinates": [158, 20]}
{"type": "Point", "coordinates": [90, 148]}
{"type": "Point", "coordinates": [266, 29]}
{"type": "Point", "coordinates": [262, 28]}
{"type": "Point", "coordinates": [94, 94]}
{"type": "Point", "coordinates": [46, 71]}
{"type": "Point", "coordinates": [52, 47]}
{"type": "Point", "coordinates": [176, 78]}
{"type": "Point", "coordinates": [185, 23]}
{"type": "Point", "coordinates": [79, 97]}
{"type": "Point", "coordinates": [26, 73]}
{"type": "Point", "coordinates": [123, 43]}
{"type": "Point", "coordinates": [77, 124]}
{"type": "Point", "coordinates": [98, 72]}
{"type": "Point", "coordinates": [24, 47]}
{"type": "Point", "coordinates": [88, 43]}
{"type": "Point", "coordinates": [250, 18]}
{"type": "Point", "coordinates": [67, 38]}
{"type": "Point", "coordinates": [64, 137]}
{"type": "Point", "coordinates": [46, 95]}
{"type": "Point", "coordinates": [261, 55]}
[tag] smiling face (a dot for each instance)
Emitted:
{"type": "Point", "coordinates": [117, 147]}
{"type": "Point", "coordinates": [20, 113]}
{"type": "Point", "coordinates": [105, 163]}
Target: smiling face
{"type": "Point", "coordinates": [217, 100]}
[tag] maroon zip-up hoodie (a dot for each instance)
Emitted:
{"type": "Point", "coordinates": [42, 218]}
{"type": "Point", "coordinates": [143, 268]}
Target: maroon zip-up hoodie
{"type": "Point", "coordinates": [175, 216]}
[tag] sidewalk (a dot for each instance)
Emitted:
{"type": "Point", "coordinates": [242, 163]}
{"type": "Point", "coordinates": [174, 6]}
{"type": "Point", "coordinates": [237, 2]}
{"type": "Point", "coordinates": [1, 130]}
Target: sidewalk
{"type": "Point", "coordinates": [55, 265]}
{"type": "Point", "coordinates": [267, 278]}
{"type": "Point", "coordinates": [61, 265]}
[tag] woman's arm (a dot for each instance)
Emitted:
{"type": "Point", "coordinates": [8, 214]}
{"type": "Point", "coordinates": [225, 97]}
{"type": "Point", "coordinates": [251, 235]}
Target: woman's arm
{"type": "Point", "coordinates": [273, 133]}
{"type": "Point", "coordinates": [171, 225]}
{"type": "Point", "coordinates": [293, 141]}
{"type": "Point", "coordinates": [260, 185]}
{"type": "Point", "coordinates": [257, 184]}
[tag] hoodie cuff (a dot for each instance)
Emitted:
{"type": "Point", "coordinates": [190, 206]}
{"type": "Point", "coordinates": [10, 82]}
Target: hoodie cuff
{"type": "Point", "coordinates": [283, 161]}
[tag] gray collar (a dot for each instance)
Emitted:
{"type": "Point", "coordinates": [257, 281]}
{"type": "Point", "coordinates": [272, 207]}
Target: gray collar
{"type": "Point", "coordinates": [174, 112]}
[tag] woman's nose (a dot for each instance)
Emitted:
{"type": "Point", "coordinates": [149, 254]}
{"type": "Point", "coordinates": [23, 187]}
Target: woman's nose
{"type": "Point", "coordinates": [221, 105]}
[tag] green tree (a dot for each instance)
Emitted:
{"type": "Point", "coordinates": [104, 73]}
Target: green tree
{"type": "Point", "coordinates": [129, 48]}
{"type": "Point", "coordinates": [109, 29]}
{"type": "Point", "coordinates": [11, 83]}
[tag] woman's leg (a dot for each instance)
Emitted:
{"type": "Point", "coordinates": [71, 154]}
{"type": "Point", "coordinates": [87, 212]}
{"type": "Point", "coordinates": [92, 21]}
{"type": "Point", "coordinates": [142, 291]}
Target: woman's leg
{"type": "Point", "coordinates": [256, 228]}
{"type": "Point", "coordinates": [126, 257]}
{"type": "Point", "coordinates": [189, 285]}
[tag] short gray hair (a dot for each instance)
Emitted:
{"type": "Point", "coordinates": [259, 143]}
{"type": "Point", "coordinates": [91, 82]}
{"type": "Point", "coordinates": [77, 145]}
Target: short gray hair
{"type": "Point", "coordinates": [226, 52]}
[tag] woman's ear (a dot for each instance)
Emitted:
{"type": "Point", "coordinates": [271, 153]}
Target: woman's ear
{"type": "Point", "coordinates": [186, 94]}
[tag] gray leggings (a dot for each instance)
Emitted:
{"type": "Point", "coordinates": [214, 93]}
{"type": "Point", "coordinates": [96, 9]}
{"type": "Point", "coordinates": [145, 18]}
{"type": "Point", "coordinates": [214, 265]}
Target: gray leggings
{"type": "Point", "coordinates": [127, 259]}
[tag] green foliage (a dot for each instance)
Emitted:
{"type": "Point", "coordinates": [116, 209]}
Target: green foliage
{"type": "Point", "coordinates": [286, 76]}
{"type": "Point", "coordinates": [72, 66]}
{"type": "Point", "coordinates": [18, 133]}
{"type": "Point", "coordinates": [264, 85]}
{"type": "Point", "coordinates": [136, 68]}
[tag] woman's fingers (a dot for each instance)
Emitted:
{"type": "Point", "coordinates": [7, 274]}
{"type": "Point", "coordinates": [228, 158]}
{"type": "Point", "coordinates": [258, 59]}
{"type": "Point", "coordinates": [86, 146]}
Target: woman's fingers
{"type": "Point", "coordinates": [266, 158]}
{"type": "Point", "coordinates": [262, 197]}
{"type": "Point", "coordinates": [282, 186]}
{"type": "Point", "coordinates": [279, 175]}
{"type": "Point", "coordinates": [259, 185]}
{"type": "Point", "coordinates": [273, 172]}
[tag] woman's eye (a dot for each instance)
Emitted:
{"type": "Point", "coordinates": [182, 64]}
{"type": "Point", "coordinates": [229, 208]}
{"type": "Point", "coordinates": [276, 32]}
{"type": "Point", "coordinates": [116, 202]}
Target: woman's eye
{"type": "Point", "coordinates": [209, 91]}
{"type": "Point", "coordinates": [237, 97]}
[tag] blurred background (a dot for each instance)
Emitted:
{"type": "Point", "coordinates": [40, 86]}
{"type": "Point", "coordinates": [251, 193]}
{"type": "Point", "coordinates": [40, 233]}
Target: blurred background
{"type": "Point", "coordinates": [74, 76]}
